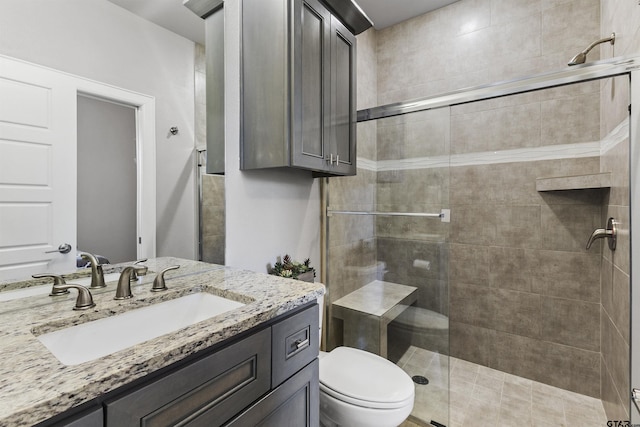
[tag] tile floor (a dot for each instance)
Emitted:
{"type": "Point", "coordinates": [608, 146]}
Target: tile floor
{"type": "Point", "coordinates": [482, 396]}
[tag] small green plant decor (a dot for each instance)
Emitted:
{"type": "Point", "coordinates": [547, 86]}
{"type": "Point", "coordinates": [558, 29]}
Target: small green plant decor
{"type": "Point", "coordinates": [286, 267]}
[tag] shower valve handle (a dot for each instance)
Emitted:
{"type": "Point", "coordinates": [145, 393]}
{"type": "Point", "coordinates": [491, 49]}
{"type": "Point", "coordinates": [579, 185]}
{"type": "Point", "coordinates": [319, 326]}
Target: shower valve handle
{"type": "Point", "coordinates": [610, 232]}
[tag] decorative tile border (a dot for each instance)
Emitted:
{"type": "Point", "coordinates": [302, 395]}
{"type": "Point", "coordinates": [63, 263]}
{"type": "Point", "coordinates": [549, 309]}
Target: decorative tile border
{"type": "Point", "coordinates": [615, 137]}
{"type": "Point", "coordinates": [530, 154]}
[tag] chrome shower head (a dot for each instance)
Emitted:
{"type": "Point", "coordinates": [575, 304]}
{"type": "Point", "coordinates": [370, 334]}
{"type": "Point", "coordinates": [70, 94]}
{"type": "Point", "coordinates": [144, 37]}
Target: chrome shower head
{"type": "Point", "coordinates": [582, 56]}
{"type": "Point", "coordinates": [578, 59]}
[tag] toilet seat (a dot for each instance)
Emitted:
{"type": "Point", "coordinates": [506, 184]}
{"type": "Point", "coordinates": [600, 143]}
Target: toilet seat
{"type": "Point", "coordinates": [365, 403]}
{"type": "Point", "coordinates": [364, 379]}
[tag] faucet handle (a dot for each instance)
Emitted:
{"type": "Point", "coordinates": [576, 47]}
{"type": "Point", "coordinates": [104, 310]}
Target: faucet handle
{"type": "Point", "coordinates": [138, 270]}
{"type": "Point", "coordinates": [57, 281]}
{"type": "Point", "coordinates": [158, 282]}
{"type": "Point", "coordinates": [611, 232]}
{"type": "Point", "coordinates": [84, 300]}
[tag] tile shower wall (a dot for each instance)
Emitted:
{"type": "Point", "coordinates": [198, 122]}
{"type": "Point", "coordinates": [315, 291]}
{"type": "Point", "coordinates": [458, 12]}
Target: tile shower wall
{"type": "Point", "coordinates": [624, 19]}
{"type": "Point", "coordinates": [524, 291]}
{"type": "Point", "coordinates": [473, 42]}
{"type": "Point", "coordinates": [213, 219]}
{"type": "Point", "coordinates": [351, 239]}
{"type": "Point", "coordinates": [525, 294]}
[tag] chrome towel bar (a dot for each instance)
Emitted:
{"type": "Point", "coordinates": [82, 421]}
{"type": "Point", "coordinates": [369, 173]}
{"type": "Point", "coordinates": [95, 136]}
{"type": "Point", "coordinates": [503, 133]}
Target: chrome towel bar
{"type": "Point", "coordinates": [444, 215]}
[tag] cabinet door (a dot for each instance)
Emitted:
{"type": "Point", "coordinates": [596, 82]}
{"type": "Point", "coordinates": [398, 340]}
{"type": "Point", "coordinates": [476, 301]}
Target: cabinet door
{"type": "Point", "coordinates": [295, 403]}
{"type": "Point", "coordinates": [311, 82]}
{"type": "Point", "coordinates": [207, 392]}
{"type": "Point", "coordinates": [214, 26]}
{"type": "Point", "coordinates": [265, 92]}
{"type": "Point", "coordinates": [342, 141]}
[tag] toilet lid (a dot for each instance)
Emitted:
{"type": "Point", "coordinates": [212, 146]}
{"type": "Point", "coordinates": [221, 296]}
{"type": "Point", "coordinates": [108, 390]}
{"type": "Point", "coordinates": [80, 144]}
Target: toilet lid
{"type": "Point", "coordinates": [364, 379]}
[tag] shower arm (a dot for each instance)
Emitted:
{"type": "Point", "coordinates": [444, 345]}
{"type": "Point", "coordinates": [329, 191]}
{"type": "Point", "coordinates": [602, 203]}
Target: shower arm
{"type": "Point", "coordinates": [581, 57]}
{"type": "Point", "coordinates": [611, 38]}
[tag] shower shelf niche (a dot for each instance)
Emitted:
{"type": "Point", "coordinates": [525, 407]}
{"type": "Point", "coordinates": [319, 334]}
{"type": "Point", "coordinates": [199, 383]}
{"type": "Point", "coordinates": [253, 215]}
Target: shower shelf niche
{"type": "Point", "coordinates": [576, 182]}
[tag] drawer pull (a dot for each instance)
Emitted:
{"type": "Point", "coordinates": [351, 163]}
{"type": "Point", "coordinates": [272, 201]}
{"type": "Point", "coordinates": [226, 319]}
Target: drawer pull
{"type": "Point", "coordinates": [301, 343]}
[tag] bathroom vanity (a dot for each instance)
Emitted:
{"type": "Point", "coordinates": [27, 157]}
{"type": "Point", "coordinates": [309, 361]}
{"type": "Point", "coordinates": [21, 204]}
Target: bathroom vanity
{"type": "Point", "coordinates": [252, 364]}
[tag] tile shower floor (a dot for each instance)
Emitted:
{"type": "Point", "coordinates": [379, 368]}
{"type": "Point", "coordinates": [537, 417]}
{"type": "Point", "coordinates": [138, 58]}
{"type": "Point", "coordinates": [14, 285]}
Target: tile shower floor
{"type": "Point", "coordinates": [482, 396]}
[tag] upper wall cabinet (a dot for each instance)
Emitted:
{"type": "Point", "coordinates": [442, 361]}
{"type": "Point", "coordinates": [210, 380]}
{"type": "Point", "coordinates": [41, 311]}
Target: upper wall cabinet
{"type": "Point", "coordinates": [213, 11]}
{"type": "Point", "coordinates": [298, 88]}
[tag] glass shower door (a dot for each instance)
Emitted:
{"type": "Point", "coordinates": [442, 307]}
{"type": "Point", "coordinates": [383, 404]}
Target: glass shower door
{"type": "Point", "coordinates": [388, 253]}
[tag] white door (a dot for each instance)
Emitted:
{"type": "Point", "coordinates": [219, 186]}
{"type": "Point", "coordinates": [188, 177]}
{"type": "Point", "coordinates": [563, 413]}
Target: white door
{"type": "Point", "coordinates": [37, 170]}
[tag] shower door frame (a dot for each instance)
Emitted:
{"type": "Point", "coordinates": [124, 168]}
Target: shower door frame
{"type": "Point", "coordinates": [623, 65]}
{"type": "Point", "coordinates": [634, 177]}
{"type": "Point", "coordinates": [627, 65]}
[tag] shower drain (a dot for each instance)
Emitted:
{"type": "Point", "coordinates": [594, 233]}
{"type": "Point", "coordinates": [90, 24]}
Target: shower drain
{"type": "Point", "coordinates": [419, 379]}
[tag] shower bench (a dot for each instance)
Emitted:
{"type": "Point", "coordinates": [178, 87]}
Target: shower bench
{"type": "Point", "coordinates": [367, 312]}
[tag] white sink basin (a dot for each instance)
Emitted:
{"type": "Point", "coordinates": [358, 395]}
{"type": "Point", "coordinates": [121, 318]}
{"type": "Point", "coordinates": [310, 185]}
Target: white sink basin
{"type": "Point", "coordinates": [91, 340]}
{"type": "Point", "coordinates": [45, 289]}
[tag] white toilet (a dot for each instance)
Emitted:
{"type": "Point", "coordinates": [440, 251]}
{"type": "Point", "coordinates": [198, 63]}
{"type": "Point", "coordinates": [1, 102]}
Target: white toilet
{"type": "Point", "coordinates": [361, 389]}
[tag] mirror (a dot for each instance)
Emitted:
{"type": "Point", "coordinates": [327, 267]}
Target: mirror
{"type": "Point", "coordinates": [119, 50]}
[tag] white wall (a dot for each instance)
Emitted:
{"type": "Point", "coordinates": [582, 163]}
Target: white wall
{"type": "Point", "coordinates": [271, 212]}
{"type": "Point", "coordinates": [101, 41]}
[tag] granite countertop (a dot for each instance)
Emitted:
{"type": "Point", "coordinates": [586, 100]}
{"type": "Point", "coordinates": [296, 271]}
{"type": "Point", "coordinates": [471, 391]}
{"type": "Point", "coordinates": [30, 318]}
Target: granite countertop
{"type": "Point", "coordinates": [35, 386]}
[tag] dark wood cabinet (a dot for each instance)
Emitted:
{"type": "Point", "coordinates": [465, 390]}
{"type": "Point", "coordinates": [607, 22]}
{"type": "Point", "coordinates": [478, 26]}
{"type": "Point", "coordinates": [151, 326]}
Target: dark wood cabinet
{"type": "Point", "coordinates": [207, 392]}
{"type": "Point", "coordinates": [271, 374]}
{"type": "Point", "coordinates": [297, 84]}
{"type": "Point", "coordinates": [214, 389]}
{"type": "Point", "coordinates": [298, 88]}
{"type": "Point", "coordinates": [214, 27]}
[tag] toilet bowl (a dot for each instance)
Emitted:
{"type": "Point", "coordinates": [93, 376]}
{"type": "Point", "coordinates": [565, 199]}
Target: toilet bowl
{"type": "Point", "coordinates": [361, 389]}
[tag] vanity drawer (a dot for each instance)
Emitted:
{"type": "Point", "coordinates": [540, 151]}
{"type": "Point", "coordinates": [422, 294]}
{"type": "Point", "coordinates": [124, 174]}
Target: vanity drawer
{"type": "Point", "coordinates": [210, 390]}
{"type": "Point", "coordinates": [295, 343]}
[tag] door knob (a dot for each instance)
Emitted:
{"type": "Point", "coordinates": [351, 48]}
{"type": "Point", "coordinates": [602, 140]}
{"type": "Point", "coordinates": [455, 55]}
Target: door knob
{"type": "Point", "coordinates": [64, 248]}
{"type": "Point", "coordinates": [610, 232]}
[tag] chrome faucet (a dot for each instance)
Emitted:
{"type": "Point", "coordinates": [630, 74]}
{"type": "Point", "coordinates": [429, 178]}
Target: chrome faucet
{"type": "Point", "coordinates": [84, 300]}
{"type": "Point", "coordinates": [123, 291]}
{"type": "Point", "coordinates": [610, 232]}
{"type": "Point", "coordinates": [97, 276]}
